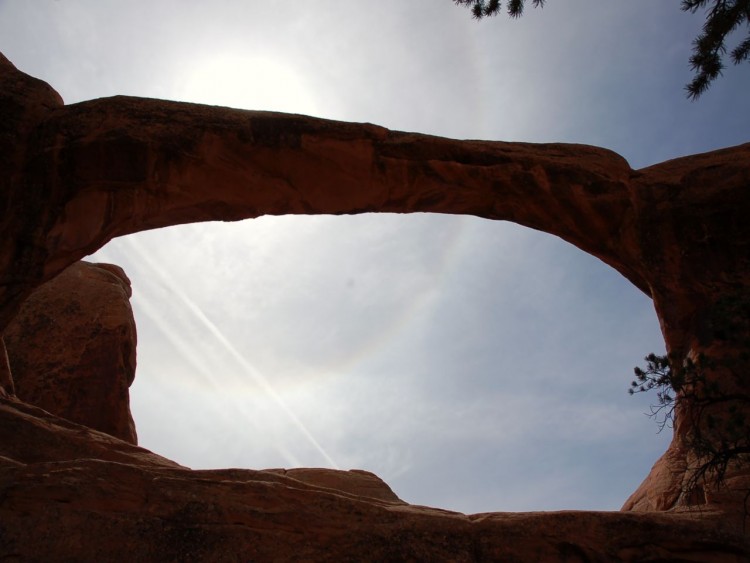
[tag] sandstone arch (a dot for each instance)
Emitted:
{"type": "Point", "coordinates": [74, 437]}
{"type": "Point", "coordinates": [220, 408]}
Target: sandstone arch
{"type": "Point", "coordinates": [76, 176]}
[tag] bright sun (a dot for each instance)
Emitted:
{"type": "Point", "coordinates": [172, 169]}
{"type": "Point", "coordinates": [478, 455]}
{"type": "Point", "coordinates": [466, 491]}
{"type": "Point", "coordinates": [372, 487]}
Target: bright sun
{"type": "Point", "coordinates": [258, 83]}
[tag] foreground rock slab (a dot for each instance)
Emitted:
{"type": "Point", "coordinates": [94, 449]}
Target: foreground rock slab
{"type": "Point", "coordinates": [79, 495]}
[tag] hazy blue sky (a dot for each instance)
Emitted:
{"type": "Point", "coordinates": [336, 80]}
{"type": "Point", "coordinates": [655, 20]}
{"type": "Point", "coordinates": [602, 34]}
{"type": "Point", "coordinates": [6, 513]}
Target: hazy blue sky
{"type": "Point", "coordinates": [474, 365]}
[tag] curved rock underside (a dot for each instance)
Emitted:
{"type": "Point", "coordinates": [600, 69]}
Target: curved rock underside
{"type": "Point", "coordinates": [73, 177]}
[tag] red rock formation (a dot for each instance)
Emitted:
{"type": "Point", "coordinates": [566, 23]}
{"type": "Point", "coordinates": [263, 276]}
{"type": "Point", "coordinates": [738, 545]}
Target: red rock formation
{"type": "Point", "coordinates": [72, 348]}
{"type": "Point", "coordinates": [355, 482]}
{"type": "Point", "coordinates": [78, 494]}
{"type": "Point", "coordinates": [24, 103]}
{"type": "Point", "coordinates": [75, 176]}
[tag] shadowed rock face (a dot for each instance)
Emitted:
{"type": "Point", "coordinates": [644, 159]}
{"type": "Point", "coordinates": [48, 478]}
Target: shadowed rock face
{"type": "Point", "coordinates": [73, 177]}
{"type": "Point", "coordinates": [71, 348]}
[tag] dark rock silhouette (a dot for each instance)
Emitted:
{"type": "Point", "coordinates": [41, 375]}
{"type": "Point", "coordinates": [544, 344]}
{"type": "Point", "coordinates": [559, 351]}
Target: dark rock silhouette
{"type": "Point", "coordinates": [73, 177]}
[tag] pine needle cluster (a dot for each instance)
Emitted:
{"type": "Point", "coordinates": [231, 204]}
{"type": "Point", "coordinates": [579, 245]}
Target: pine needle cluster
{"type": "Point", "coordinates": [484, 8]}
{"type": "Point", "coordinates": [723, 17]}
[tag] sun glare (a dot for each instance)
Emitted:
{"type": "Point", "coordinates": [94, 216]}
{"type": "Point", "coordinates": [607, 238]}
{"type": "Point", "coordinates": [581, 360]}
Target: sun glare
{"type": "Point", "coordinates": [257, 83]}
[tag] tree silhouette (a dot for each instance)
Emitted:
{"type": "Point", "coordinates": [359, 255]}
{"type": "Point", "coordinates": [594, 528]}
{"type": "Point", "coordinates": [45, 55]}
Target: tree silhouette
{"type": "Point", "coordinates": [707, 396]}
{"type": "Point", "coordinates": [723, 17]}
{"type": "Point", "coordinates": [718, 431]}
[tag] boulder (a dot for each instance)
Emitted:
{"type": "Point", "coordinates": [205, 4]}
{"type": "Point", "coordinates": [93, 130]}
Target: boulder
{"type": "Point", "coordinates": [72, 348]}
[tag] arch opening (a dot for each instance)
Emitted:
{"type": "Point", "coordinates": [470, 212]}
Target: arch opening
{"type": "Point", "coordinates": [473, 365]}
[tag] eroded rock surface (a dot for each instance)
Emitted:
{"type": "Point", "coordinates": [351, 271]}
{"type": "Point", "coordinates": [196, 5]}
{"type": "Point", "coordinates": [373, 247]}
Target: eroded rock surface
{"type": "Point", "coordinates": [73, 177]}
{"type": "Point", "coordinates": [71, 348]}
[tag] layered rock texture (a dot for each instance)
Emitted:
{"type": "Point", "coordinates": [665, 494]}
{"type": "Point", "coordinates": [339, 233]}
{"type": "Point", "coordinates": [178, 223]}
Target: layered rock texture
{"type": "Point", "coordinates": [73, 177]}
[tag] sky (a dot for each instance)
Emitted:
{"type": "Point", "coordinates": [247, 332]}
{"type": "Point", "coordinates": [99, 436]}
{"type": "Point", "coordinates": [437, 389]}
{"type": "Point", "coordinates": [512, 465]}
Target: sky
{"type": "Point", "coordinates": [473, 365]}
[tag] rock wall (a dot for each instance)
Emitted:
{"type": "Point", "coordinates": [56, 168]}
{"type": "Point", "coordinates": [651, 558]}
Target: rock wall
{"type": "Point", "coordinates": [73, 177]}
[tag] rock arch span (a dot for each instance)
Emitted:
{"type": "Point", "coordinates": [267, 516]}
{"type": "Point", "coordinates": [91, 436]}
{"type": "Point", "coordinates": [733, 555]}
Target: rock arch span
{"type": "Point", "coordinates": [73, 177]}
